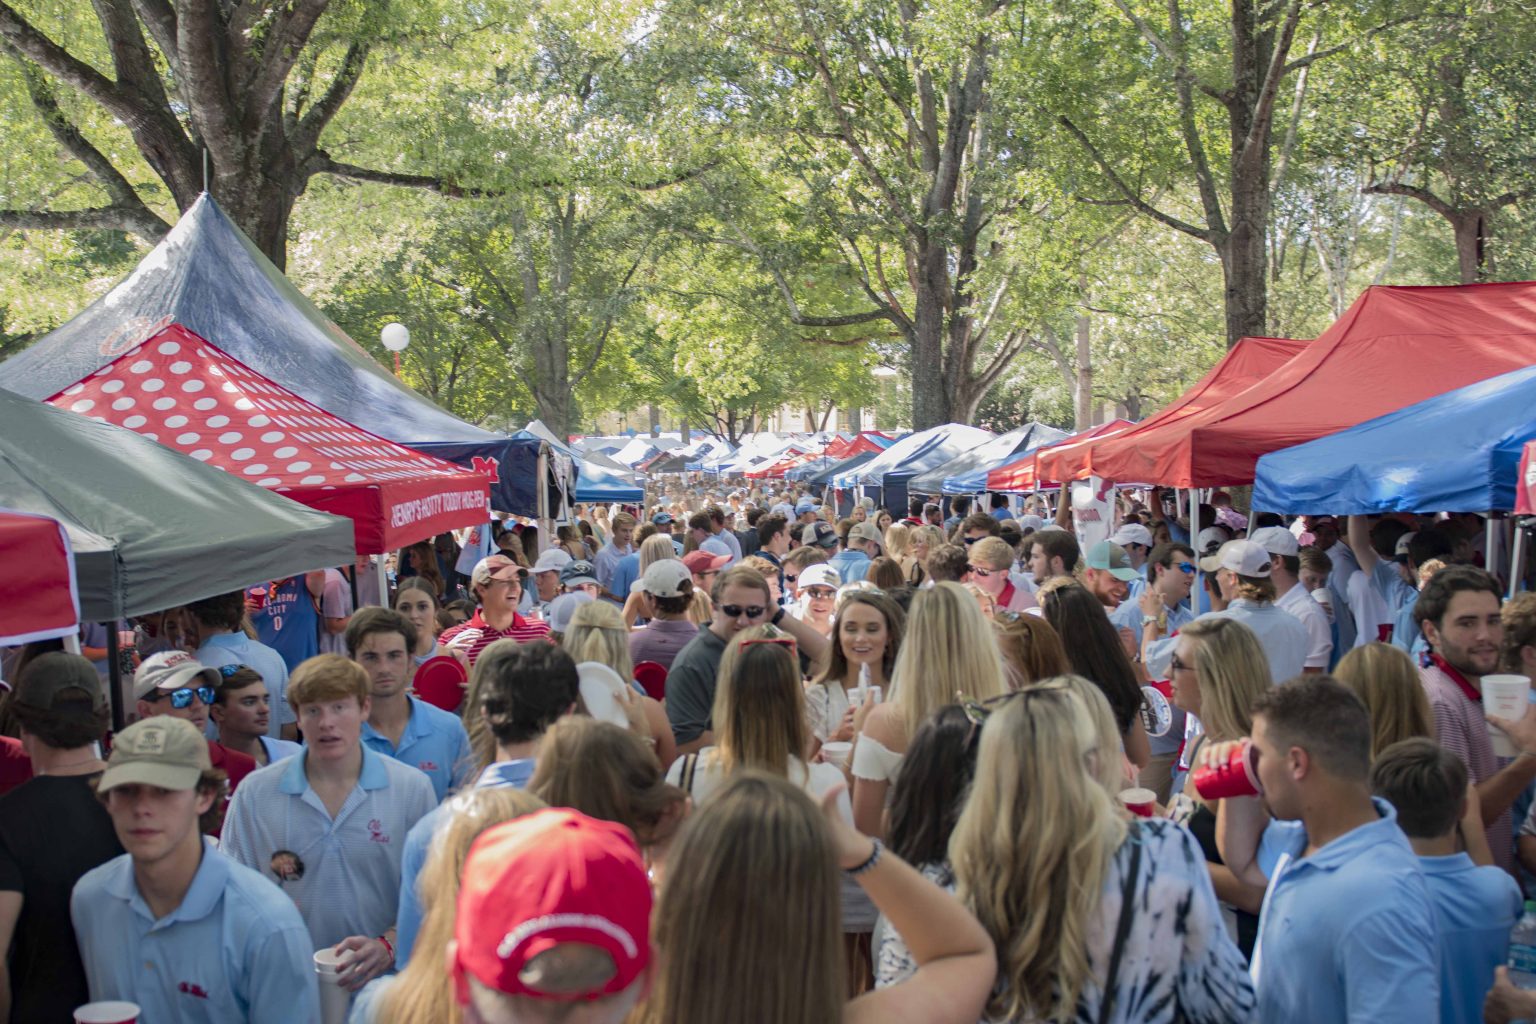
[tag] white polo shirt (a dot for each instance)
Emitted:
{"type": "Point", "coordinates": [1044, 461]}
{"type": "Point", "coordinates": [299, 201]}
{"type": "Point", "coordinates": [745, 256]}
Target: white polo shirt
{"type": "Point", "coordinates": [1299, 602]}
{"type": "Point", "coordinates": [348, 877]}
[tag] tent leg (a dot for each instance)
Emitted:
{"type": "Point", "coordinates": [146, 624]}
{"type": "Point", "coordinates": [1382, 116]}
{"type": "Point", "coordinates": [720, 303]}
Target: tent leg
{"type": "Point", "coordinates": [115, 678]}
{"type": "Point", "coordinates": [383, 583]}
{"type": "Point", "coordinates": [352, 581]}
{"type": "Point", "coordinates": [1490, 545]}
{"type": "Point", "coordinates": [72, 643]}
{"type": "Point", "coordinates": [1517, 560]}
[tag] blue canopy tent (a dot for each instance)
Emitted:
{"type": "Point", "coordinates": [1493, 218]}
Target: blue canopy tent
{"type": "Point", "coordinates": [1455, 452]}
{"type": "Point", "coordinates": [598, 477]}
{"type": "Point", "coordinates": [891, 471]}
{"type": "Point", "coordinates": [823, 475]}
{"type": "Point", "coordinates": [207, 276]}
{"type": "Point", "coordinates": [972, 466]}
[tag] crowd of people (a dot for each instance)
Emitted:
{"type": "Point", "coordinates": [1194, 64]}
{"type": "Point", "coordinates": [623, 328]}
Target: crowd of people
{"type": "Point", "coordinates": [755, 755]}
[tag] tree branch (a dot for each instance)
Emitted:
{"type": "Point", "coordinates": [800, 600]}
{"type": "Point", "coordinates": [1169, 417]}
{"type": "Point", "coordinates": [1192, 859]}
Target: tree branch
{"type": "Point", "coordinates": [161, 20]}
{"type": "Point", "coordinates": [1317, 55]}
{"type": "Point", "coordinates": [101, 218]}
{"type": "Point", "coordinates": [58, 62]}
{"type": "Point", "coordinates": [286, 39]}
{"type": "Point", "coordinates": [1131, 197]}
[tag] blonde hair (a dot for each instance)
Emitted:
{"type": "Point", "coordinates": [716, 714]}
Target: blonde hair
{"type": "Point", "coordinates": [1033, 848]}
{"type": "Point", "coordinates": [749, 915]}
{"type": "Point", "coordinates": [327, 677]}
{"type": "Point", "coordinates": [898, 540]}
{"type": "Point", "coordinates": [994, 551]}
{"type": "Point", "coordinates": [1108, 762]}
{"type": "Point", "coordinates": [930, 535]}
{"type": "Point", "coordinates": [1032, 648]}
{"type": "Point", "coordinates": [654, 549]}
{"type": "Point", "coordinates": [1233, 673]}
{"type": "Point", "coordinates": [1385, 680]}
{"type": "Point", "coordinates": [424, 989]}
{"type": "Point", "coordinates": [597, 633]}
{"type": "Point", "coordinates": [759, 710]}
{"type": "Point", "coordinates": [949, 648]}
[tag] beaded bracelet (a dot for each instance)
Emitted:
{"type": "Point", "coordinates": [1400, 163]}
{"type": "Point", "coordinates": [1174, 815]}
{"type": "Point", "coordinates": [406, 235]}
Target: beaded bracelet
{"type": "Point", "coordinates": [868, 865]}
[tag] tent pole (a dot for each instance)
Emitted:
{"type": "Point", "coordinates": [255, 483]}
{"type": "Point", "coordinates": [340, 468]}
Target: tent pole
{"type": "Point", "coordinates": [352, 580]}
{"type": "Point", "coordinates": [72, 643]}
{"type": "Point", "coordinates": [1517, 560]}
{"type": "Point", "coordinates": [383, 583]}
{"type": "Point", "coordinates": [115, 677]}
{"type": "Point", "coordinates": [1490, 539]}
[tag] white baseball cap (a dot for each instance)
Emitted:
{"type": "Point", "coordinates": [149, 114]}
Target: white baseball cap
{"type": "Point", "coordinates": [820, 575]}
{"type": "Point", "coordinates": [552, 560]}
{"type": "Point", "coordinates": [1277, 540]}
{"type": "Point", "coordinates": [1243, 557]}
{"type": "Point", "coordinates": [664, 578]}
{"type": "Point", "coordinates": [1133, 533]}
{"type": "Point", "coordinates": [1211, 535]}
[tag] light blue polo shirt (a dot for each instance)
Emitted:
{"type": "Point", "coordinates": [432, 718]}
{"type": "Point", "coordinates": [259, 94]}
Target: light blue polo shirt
{"type": "Point", "coordinates": [350, 883]}
{"type": "Point", "coordinates": [434, 742]}
{"type": "Point", "coordinates": [238, 649]}
{"type": "Point", "coordinates": [850, 565]}
{"type": "Point", "coordinates": [418, 842]}
{"type": "Point", "coordinates": [1348, 934]}
{"type": "Point", "coordinates": [278, 750]}
{"type": "Point", "coordinates": [233, 951]}
{"type": "Point", "coordinates": [1475, 908]}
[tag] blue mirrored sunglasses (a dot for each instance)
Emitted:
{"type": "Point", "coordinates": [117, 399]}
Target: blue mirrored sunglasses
{"type": "Point", "coordinates": [182, 698]}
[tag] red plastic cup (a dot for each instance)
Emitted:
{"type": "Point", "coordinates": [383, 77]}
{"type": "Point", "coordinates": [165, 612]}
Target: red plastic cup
{"type": "Point", "coordinates": [1234, 777]}
{"type": "Point", "coordinates": [1140, 802]}
{"type": "Point", "coordinates": [108, 1012]}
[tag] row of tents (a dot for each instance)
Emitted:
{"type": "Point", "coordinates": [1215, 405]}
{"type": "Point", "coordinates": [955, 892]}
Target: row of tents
{"type": "Point", "coordinates": [1418, 399]}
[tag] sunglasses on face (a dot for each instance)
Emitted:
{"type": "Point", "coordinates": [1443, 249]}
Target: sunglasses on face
{"type": "Point", "coordinates": [971, 540]}
{"type": "Point", "coordinates": [983, 572]}
{"type": "Point", "coordinates": [182, 699]}
{"type": "Point", "coordinates": [1187, 568]}
{"type": "Point", "coordinates": [791, 579]}
{"type": "Point", "coordinates": [820, 592]}
{"type": "Point", "coordinates": [736, 611]}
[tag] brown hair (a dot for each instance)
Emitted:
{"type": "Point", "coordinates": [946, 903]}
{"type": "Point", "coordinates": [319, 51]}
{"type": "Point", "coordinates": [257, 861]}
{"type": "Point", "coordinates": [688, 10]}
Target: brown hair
{"type": "Point", "coordinates": [759, 709]}
{"type": "Point", "coordinates": [886, 573]}
{"type": "Point", "coordinates": [368, 621]}
{"type": "Point", "coordinates": [1324, 718]}
{"type": "Point", "coordinates": [1425, 783]}
{"type": "Point", "coordinates": [424, 557]}
{"type": "Point", "coordinates": [805, 557]}
{"type": "Point", "coordinates": [948, 563]}
{"type": "Point", "coordinates": [740, 576]}
{"type": "Point", "coordinates": [1032, 650]}
{"type": "Point", "coordinates": [327, 677]}
{"type": "Point", "coordinates": [1519, 630]}
{"type": "Point", "coordinates": [606, 772]}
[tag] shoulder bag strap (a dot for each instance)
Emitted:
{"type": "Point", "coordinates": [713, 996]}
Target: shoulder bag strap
{"type": "Point", "coordinates": [689, 764]}
{"type": "Point", "coordinates": [1128, 897]}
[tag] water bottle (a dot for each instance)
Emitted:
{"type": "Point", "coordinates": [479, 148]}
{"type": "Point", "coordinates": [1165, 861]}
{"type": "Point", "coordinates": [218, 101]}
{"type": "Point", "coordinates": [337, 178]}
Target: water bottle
{"type": "Point", "coordinates": [1522, 948]}
{"type": "Point", "coordinates": [863, 690]}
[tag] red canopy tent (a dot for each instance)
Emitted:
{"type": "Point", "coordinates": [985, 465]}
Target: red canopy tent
{"type": "Point", "coordinates": [790, 459]}
{"type": "Point", "coordinates": [1245, 364]}
{"type": "Point", "coordinates": [857, 445]}
{"type": "Point", "coordinates": [186, 394]}
{"type": "Point", "coordinates": [1024, 474]}
{"type": "Point", "coordinates": [1393, 347]}
{"type": "Point", "coordinates": [38, 600]}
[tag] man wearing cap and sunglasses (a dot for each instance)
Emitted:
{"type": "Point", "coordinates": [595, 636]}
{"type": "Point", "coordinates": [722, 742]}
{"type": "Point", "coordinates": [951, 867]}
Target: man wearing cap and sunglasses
{"type": "Point", "coordinates": [741, 600]}
{"type": "Point", "coordinates": [173, 924]}
{"type": "Point", "coordinates": [553, 923]}
{"type": "Point", "coordinates": [546, 577]}
{"type": "Point", "coordinates": [176, 684]}
{"type": "Point", "coordinates": [497, 584]}
{"type": "Point", "coordinates": [1242, 569]}
{"type": "Point", "coordinates": [1107, 573]}
{"type": "Point", "coordinates": [1292, 597]}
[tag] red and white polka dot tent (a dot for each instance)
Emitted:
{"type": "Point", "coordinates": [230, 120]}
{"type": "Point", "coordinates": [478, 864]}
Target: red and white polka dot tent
{"type": "Point", "coordinates": [186, 394]}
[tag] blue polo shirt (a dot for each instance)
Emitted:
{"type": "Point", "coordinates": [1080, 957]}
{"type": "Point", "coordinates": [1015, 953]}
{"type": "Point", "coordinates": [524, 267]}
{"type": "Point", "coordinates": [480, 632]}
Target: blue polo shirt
{"type": "Point", "coordinates": [850, 565]}
{"type": "Point", "coordinates": [350, 881]}
{"type": "Point", "coordinates": [1475, 908]}
{"type": "Point", "coordinates": [1348, 934]}
{"type": "Point", "coordinates": [233, 951]}
{"type": "Point", "coordinates": [277, 750]}
{"type": "Point", "coordinates": [625, 573]}
{"type": "Point", "coordinates": [238, 649]}
{"type": "Point", "coordinates": [434, 742]}
{"type": "Point", "coordinates": [418, 842]}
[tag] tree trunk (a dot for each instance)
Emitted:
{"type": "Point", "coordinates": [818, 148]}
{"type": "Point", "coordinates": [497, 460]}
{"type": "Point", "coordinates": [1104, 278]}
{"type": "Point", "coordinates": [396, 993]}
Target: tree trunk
{"type": "Point", "coordinates": [1082, 398]}
{"type": "Point", "coordinates": [930, 394]}
{"type": "Point", "coordinates": [1245, 258]}
{"type": "Point", "coordinates": [855, 420]}
{"type": "Point", "coordinates": [1471, 227]}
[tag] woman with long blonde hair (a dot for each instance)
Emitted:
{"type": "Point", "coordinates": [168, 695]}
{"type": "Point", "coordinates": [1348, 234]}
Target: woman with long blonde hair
{"type": "Point", "coordinates": [1059, 878]}
{"type": "Point", "coordinates": [924, 541]}
{"type": "Point", "coordinates": [747, 922]}
{"type": "Point", "coordinates": [1387, 683]}
{"type": "Point", "coordinates": [1218, 671]}
{"type": "Point", "coordinates": [597, 634]}
{"type": "Point", "coordinates": [898, 544]}
{"type": "Point", "coordinates": [949, 649]}
{"type": "Point", "coordinates": [422, 993]}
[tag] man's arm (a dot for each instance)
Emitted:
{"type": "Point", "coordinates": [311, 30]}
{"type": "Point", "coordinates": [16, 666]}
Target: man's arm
{"type": "Point", "coordinates": [1064, 508]}
{"type": "Point", "coordinates": [1358, 536]}
{"type": "Point", "coordinates": [688, 708]}
{"type": "Point", "coordinates": [283, 984]}
{"type": "Point", "coordinates": [811, 643]}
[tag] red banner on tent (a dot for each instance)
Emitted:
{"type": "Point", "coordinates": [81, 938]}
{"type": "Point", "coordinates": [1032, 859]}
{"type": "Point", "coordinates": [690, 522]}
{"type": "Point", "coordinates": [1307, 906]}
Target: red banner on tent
{"type": "Point", "coordinates": [38, 599]}
{"type": "Point", "coordinates": [186, 394]}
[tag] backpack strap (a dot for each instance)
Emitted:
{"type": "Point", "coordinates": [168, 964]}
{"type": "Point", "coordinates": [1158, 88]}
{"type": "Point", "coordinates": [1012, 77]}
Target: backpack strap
{"type": "Point", "coordinates": [1123, 929]}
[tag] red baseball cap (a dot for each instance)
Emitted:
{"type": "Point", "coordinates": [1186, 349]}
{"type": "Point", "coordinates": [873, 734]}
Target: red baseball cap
{"type": "Point", "coordinates": [544, 880]}
{"type": "Point", "coordinates": [703, 561]}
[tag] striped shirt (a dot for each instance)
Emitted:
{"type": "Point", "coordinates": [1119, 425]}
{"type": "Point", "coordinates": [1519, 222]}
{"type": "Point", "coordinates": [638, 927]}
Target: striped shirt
{"type": "Point", "coordinates": [1461, 728]}
{"type": "Point", "coordinates": [522, 630]}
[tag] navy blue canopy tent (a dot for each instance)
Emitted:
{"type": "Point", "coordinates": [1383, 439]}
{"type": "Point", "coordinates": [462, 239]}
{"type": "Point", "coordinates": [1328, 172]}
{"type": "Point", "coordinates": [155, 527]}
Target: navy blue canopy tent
{"type": "Point", "coordinates": [207, 276]}
{"type": "Point", "coordinates": [890, 472]}
{"type": "Point", "coordinates": [823, 477]}
{"type": "Point", "coordinates": [967, 472]}
{"type": "Point", "coordinates": [1455, 452]}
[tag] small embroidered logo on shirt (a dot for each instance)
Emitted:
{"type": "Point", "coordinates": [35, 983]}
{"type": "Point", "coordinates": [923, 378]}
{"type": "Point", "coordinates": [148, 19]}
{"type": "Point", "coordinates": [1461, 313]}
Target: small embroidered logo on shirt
{"type": "Point", "coordinates": [376, 831]}
{"type": "Point", "coordinates": [428, 766]}
{"type": "Point", "coordinates": [191, 989]}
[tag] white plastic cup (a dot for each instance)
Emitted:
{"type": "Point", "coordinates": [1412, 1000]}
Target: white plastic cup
{"type": "Point", "coordinates": [1505, 696]}
{"type": "Point", "coordinates": [335, 1001]}
{"type": "Point", "coordinates": [836, 752]}
{"type": "Point", "coordinates": [108, 1012]}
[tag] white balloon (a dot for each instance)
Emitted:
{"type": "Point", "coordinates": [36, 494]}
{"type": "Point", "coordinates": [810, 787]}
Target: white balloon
{"type": "Point", "coordinates": [395, 337]}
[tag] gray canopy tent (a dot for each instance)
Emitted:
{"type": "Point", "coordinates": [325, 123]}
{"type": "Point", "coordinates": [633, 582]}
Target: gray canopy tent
{"type": "Point", "coordinates": [152, 528]}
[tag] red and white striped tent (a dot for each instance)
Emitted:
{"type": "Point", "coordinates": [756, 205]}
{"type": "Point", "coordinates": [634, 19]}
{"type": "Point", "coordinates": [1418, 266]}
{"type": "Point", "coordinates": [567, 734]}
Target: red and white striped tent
{"type": "Point", "coordinates": [183, 392]}
{"type": "Point", "coordinates": [38, 598]}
